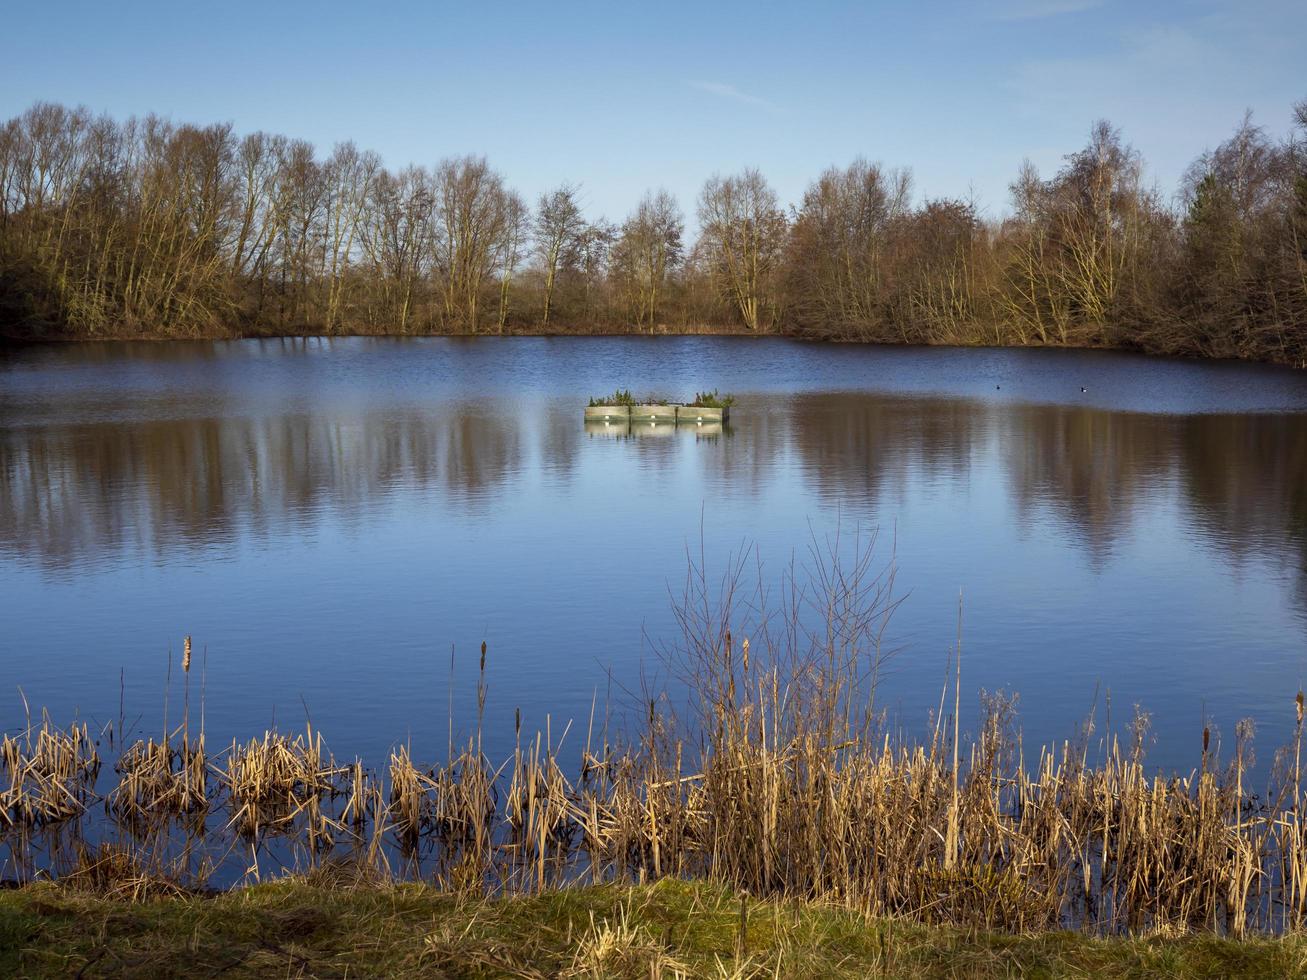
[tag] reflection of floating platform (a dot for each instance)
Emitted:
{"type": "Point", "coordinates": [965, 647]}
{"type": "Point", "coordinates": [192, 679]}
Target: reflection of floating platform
{"type": "Point", "coordinates": [643, 430]}
{"type": "Point", "coordinates": [654, 413]}
{"type": "Point", "coordinates": [618, 429]}
{"type": "Point", "coordinates": [627, 429]}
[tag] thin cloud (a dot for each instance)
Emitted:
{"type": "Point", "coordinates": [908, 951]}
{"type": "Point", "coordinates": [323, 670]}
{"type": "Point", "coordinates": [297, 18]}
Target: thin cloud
{"type": "Point", "coordinates": [1038, 9]}
{"type": "Point", "coordinates": [724, 91]}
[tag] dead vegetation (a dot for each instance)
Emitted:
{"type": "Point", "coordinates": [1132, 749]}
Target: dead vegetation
{"type": "Point", "coordinates": [47, 776]}
{"type": "Point", "coordinates": [157, 779]}
{"type": "Point", "coordinates": [281, 784]}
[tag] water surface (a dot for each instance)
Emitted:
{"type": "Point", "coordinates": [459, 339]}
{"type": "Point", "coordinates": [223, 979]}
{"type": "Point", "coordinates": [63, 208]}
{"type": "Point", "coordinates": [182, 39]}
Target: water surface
{"type": "Point", "coordinates": [329, 519]}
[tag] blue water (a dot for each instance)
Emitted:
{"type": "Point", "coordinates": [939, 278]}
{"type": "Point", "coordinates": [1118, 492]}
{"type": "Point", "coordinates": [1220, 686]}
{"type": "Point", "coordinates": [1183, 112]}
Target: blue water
{"type": "Point", "coordinates": [329, 519]}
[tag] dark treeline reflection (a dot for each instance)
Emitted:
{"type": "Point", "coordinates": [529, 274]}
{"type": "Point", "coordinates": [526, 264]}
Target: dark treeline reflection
{"type": "Point", "coordinates": [1094, 469]}
{"type": "Point", "coordinates": [861, 445]}
{"type": "Point", "coordinates": [1239, 477]}
{"type": "Point", "coordinates": [90, 491]}
{"type": "Point", "coordinates": [84, 491]}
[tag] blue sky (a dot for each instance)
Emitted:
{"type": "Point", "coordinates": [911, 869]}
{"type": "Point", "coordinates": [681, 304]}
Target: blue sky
{"type": "Point", "coordinates": [620, 98]}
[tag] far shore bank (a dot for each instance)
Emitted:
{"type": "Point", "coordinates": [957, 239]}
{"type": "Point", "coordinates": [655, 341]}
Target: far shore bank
{"type": "Point", "coordinates": [17, 338]}
{"type": "Point", "coordinates": [105, 233]}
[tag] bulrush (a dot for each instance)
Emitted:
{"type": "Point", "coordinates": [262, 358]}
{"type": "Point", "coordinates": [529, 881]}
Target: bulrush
{"type": "Point", "coordinates": [47, 776]}
{"type": "Point", "coordinates": [160, 779]}
{"type": "Point", "coordinates": [277, 784]}
{"type": "Point", "coordinates": [775, 806]}
{"type": "Point", "coordinates": [412, 799]}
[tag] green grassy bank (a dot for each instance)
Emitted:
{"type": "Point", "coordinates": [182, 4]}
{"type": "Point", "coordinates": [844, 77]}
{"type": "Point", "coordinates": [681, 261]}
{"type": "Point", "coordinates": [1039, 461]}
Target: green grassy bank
{"type": "Point", "coordinates": [329, 928]}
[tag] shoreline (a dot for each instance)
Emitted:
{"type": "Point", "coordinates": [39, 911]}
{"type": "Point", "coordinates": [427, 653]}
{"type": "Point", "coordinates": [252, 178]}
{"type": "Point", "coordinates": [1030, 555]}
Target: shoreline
{"type": "Point", "coordinates": [11, 340]}
{"type": "Point", "coordinates": [775, 806]}
{"type": "Point", "coordinates": [324, 927]}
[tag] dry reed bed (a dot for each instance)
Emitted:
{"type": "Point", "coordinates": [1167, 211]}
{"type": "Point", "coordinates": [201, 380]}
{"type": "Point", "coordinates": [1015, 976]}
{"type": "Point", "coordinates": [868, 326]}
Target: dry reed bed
{"type": "Point", "coordinates": [46, 776]}
{"type": "Point", "coordinates": [881, 827]}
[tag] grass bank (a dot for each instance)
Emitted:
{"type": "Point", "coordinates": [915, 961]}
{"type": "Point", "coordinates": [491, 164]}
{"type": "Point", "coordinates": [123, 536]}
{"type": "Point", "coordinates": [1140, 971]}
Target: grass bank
{"type": "Point", "coordinates": [320, 926]}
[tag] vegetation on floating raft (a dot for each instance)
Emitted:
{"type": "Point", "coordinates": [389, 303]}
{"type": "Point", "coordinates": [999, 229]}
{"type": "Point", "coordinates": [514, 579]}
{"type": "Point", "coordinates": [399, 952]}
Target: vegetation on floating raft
{"type": "Point", "coordinates": [712, 399]}
{"type": "Point", "coordinates": [702, 399]}
{"type": "Point", "coordinates": [619, 397]}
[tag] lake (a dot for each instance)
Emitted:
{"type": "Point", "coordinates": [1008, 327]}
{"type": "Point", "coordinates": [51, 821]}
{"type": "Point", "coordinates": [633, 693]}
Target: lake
{"type": "Point", "coordinates": [329, 519]}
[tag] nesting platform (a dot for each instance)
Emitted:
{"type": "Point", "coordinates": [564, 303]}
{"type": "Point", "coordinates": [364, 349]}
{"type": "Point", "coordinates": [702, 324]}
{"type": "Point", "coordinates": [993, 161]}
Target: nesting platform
{"type": "Point", "coordinates": [678, 414]}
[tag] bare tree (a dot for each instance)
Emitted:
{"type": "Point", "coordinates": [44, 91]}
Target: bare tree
{"type": "Point", "coordinates": [559, 226]}
{"type": "Point", "coordinates": [395, 237]}
{"type": "Point", "coordinates": [839, 247]}
{"type": "Point", "coordinates": [146, 226]}
{"type": "Point", "coordinates": [743, 229]}
{"type": "Point", "coordinates": [175, 274]}
{"type": "Point", "coordinates": [593, 261]}
{"type": "Point", "coordinates": [300, 216]}
{"type": "Point", "coordinates": [516, 228]}
{"type": "Point", "coordinates": [646, 252]}
{"type": "Point", "coordinates": [259, 197]}
{"type": "Point", "coordinates": [1101, 207]}
{"type": "Point", "coordinates": [1031, 301]}
{"type": "Point", "coordinates": [471, 221]}
{"type": "Point", "coordinates": [1076, 246]}
{"type": "Point", "coordinates": [1298, 228]}
{"type": "Point", "coordinates": [1235, 289]}
{"type": "Point", "coordinates": [940, 274]}
{"type": "Point", "coordinates": [348, 176]}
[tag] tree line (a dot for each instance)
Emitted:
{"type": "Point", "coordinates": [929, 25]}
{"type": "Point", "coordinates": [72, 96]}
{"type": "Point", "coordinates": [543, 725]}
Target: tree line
{"type": "Point", "coordinates": [150, 228]}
